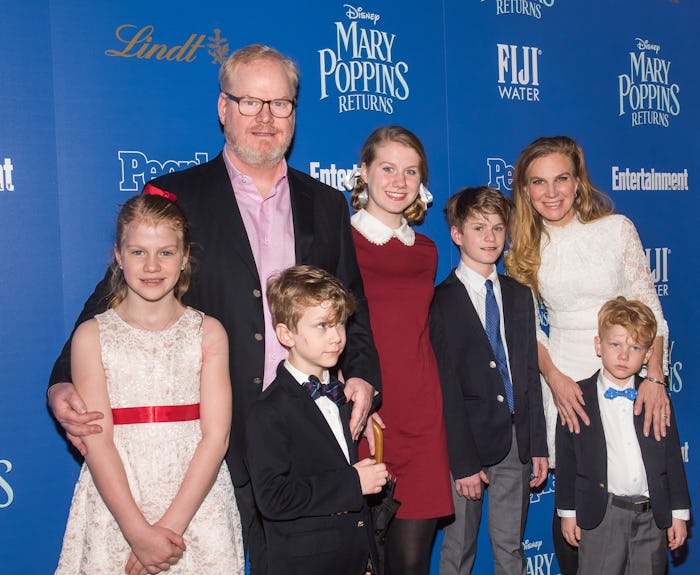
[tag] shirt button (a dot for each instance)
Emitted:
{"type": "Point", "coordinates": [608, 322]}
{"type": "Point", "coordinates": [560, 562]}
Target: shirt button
{"type": "Point", "coordinates": [499, 398]}
{"type": "Point", "coordinates": [257, 380]}
{"type": "Point", "coordinates": [492, 364]}
{"type": "Point", "coordinates": [257, 292]}
{"type": "Point", "coordinates": [258, 337]}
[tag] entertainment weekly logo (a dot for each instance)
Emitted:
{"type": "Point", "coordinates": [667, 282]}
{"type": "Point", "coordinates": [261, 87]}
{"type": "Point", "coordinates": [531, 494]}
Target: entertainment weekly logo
{"type": "Point", "coordinates": [6, 182]}
{"type": "Point", "coordinates": [145, 43]}
{"type": "Point", "coordinates": [646, 92]}
{"type": "Point", "coordinates": [531, 8]}
{"type": "Point", "coordinates": [332, 175]}
{"type": "Point", "coordinates": [363, 70]}
{"type": "Point", "coordinates": [7, 495]}
{"type": "Point", "coordinates": [645, 179]}
{"type": "Point", "coordinates": [518, 72]}
{"type": "Point", "coordinates": [137, 169]}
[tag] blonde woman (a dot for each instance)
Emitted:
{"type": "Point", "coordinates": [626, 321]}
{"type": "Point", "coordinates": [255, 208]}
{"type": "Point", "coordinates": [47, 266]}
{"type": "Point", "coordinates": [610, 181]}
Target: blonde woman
{"type": "Point", "coordinates": [575, 253]}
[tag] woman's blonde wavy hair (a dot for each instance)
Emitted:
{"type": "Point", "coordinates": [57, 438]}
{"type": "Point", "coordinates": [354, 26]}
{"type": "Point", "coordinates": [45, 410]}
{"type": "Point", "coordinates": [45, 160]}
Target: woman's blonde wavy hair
{"type": "Point", "coordinates": [415, 213]}
{"type": "Point", "coordinates": [522, 261]}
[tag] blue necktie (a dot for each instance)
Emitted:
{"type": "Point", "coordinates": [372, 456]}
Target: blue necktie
{"type": "Point", "coordinates": [333, 390]}
{"type": "Point", "coordinates": [493, 332]}
{"type": "Point", "coordinates": [611, 393]}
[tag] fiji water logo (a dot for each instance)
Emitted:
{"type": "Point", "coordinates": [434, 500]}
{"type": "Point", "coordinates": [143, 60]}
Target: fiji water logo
{"type": "Point", "coordinates": [7, 495]}
{"type": "Point", "coordinates": [363, 70]}
{"type": "Point", "coordinates": [646, 93]}
{"type": "Point", "coordinates": [657, 260]}
{"type": "Point", "coordinates": [137, 169]}
{"type": "Point", "coordinates": [142, 43]}
{"type": "Point", "coordinates": [531, 8]}
{"type": "Point", "coordinates": [6, 183]}
{"type": "Point", "coordinates": [518, 72]}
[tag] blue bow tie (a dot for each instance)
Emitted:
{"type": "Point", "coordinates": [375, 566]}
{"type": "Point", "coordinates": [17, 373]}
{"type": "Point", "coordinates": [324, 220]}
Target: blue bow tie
{"type": "Point", "coordinates": [333, 390]}
{"type": "Point", "coordinates": [611, 393]}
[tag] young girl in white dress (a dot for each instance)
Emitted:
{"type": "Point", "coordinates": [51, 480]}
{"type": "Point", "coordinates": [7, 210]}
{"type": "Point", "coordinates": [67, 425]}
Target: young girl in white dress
{"type": "Point", "coordinates": [154, 493]}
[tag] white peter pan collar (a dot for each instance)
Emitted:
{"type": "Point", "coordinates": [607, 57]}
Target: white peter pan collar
{"type": "Point", "coordinates": [379, 233]}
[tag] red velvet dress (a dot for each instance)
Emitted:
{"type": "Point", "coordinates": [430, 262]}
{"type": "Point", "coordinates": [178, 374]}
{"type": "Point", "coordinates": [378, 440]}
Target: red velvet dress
{"type": "Point", "coordinates": [399, 281]}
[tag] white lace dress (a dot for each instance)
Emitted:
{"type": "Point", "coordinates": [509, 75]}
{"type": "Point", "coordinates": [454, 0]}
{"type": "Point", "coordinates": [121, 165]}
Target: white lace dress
{"type": "Point", "coordinates": [146, 368]}
{"type": "Point", "coordinates": [583, 266]}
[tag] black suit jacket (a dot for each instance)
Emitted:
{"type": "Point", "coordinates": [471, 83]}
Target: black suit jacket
{"type": "Point", "coordinates": [314, 513]}
{"type": "Point", "coordinates": [582, 466]}
{"type": "Point", "coordinates": [226, 285]}
{"type": "Point", "coordinates": [477, 417]}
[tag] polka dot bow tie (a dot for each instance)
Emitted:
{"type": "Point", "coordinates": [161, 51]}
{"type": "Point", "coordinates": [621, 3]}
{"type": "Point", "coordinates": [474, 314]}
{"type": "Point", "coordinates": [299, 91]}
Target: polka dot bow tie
{"type": "Point", "coordinates": [611, 393]}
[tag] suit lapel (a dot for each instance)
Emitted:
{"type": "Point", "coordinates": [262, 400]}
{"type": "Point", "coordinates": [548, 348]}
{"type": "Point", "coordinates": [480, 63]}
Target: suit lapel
{"type": "Point", "coordinates": [508, 314]}
{"type": "Point", "coordinates": [302, 216]}
{"type": "Point", "coordinates": [589, 389]}
{"type": "Point", "coordinates": [235, 228]}
{"type": "Point", "coordinates": [311, 413]}
{"type": "Point", "coordinates": [345, 419]}
{"type": "Point", "coordinates": [462, 304]}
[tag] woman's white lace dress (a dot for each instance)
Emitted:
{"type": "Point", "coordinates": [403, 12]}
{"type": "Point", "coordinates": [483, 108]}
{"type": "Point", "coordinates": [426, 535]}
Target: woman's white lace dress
{"type": "Point", "coordinates": [147, 368]}
{"type": "Point", "coordinates": [583, 266]}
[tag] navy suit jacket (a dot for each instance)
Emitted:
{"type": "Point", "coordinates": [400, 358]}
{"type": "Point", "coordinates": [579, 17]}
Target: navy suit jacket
{"type": "Point", "coordinates": [582, 466]}
{"type": "Point", "coordinates": [477, 418]}
{"type": "Point", "coordinates": [315, 516]}
{"type": "Point", "coordinates": [225, 282]}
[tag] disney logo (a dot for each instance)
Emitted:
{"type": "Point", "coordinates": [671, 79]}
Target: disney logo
{"type": "Point", "coordinates": [359, 14]}
{"type": "Point", "coordinates": [527, 544]}
{"type": "Point", "coordinates": [646, 45]}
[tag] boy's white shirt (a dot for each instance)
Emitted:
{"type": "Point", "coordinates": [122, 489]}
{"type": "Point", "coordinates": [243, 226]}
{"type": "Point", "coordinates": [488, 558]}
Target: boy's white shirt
{"type": "Point", "coordinates": [475, 284]}
{"type": "Point", "coordinates": [328, 409]}
{"type": "Point", "coordinates": [626, 472]}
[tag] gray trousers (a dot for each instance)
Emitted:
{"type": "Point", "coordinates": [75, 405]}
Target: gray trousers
{"type": "Point", "coordinates": [508, 500]}
{"type": "Point", "coordinates": [625, 543]}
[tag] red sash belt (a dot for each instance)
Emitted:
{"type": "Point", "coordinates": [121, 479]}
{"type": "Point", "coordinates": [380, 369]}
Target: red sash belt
{"type": "Point", "coordinates": [155, 414]}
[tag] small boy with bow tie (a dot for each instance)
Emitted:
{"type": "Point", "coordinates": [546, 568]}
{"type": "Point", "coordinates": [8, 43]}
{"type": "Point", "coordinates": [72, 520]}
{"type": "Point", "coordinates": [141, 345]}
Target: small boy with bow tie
{"type": "Point", "coordinates": [302, 460]}
{"type": "Point", "coordinates": [621, 496]}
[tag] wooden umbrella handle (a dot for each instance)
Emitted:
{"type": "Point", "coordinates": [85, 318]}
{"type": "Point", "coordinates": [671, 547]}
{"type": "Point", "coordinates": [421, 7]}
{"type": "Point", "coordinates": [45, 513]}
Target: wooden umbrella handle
{"type": "Point", "coordinates": [378, 441]}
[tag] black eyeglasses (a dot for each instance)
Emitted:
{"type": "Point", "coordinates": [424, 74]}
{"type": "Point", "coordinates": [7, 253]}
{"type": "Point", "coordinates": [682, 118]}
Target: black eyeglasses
{"type": "Point", "coordinates": [250, 106]}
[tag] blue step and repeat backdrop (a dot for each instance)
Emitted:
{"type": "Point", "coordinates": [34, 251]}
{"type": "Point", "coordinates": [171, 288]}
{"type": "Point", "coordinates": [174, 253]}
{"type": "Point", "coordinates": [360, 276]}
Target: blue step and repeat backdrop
{"type": "Point", "coordinates": [99, 97]}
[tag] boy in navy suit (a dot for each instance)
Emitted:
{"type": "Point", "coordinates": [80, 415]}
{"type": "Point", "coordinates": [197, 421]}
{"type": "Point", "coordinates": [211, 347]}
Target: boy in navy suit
{"type": "Point", "coordinates": [483, 332]}
{"type": "Point", "coordinates": [302, 460]}
{"type": "Point", "coordinates": [621, 496]}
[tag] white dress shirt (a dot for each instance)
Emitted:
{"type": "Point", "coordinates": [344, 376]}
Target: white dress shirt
{"type": "Point", "coordinates": [328, 409]}
{"type": "Point", "coordinates": [475, 284]}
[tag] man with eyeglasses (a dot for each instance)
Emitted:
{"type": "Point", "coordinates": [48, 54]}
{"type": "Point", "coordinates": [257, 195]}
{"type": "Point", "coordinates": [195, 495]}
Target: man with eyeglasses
{"type": "Point", "coordinates": [250, 216]}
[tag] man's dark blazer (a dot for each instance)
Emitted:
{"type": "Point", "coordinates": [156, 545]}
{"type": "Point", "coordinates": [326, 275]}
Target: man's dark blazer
{"type": "Point", "coordinates": [582, 466]}
{"type": "Point", "coordinates": [226, 285]}
{"type": "Point", "coordinates": [477, 418]}
{"type": "Point", "coordinates": [315, 517]}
